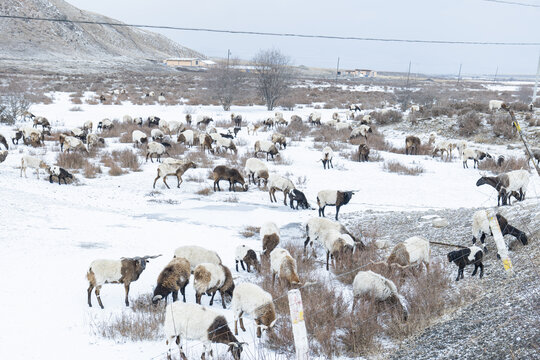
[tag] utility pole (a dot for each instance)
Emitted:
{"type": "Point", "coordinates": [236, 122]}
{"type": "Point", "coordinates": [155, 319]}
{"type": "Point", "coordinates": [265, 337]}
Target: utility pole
{"type": "Point", "coordinates": [408, 74]}
{"type": "Point", "coordinates": [459, 74]}
{"type": "Point", "coordinates": [535, 91]}
{"type": "Point", "coordinates": [228, 57]}
{"type": "Point", "coordinates": [496, 72]}
{"type": "Point", "coordinates": [337, 68]}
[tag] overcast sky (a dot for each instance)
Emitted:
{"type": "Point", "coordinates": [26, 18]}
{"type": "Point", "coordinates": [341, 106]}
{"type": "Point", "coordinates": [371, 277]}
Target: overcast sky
{"type": "Point", "coordinates": [463, 20]}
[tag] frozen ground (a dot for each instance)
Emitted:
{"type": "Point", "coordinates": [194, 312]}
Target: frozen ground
{"type": "Point", "coordinates": [51, 233]}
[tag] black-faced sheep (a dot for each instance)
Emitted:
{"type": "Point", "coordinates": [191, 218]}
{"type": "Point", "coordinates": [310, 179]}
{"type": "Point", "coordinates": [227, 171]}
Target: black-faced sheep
{"type": "Point", "coordinates": [173, 278]}
{"type": "Point", "coordinates": [269, 237]}
{"type": "Point", "coordinates": [370, 284]}
{"type": "Point", "coordinates": [173, 167]}
{"type": "Point", "coordinates": [93, 140]}
{"type": "Point", "coordinates": [266, 146]}
{"type": "Point", "coordinates": [362, 130]}
{"type": "Point", "coordinates": [327, 156]}
{"type": "Point", "coordinates": [363, 152]}
{"type": "Point", "coordinates": [333, 198]}
{"type": "Point", "coordinates": [155, 149]}
{"type": "Point", "coordinates": [316, 228]}
{"type": "Point", "coordinates": [105, 124]}
{"type": "Point", "coordinates": [280, 139]}
{"type": "Point", "coordinates": [209, 278]}
{"type": "Point", "coordinates": [481, 228]}
{"type": "Point", "coordinates": [284, 266]}
{"type": "Point", "coordinates": [123, 271]}
{"type": "Point", "coordinates": [467, 256]}
{"type": "Point", "coordinates": [222, 172]}
{"type": "Point", "coordinates": [196, 322]}
{"type": "Point", "coordinates": [255, 167]}
{"type": "Point", "coordinates": [277, 182]}
{"type": "Point", "coordinates": [157, 134]}
{"type": "Point", "coordinates": [300, 198]}
{"type": "Point", "coordinates": [245, 255]}
{"type": "Point", "coordinates": [473, 154]}
{"type": "Point", "coordinates": [60, 173]}
{"type": "Point", "coordinates": [139, 137]}
{"type": "Point", "coordinates": [412, 144]}
{"type": "Point", "coordinates": [153, 121]}
{"type": "Point", "coordinates": [506, 184]}
{"type": "Point", "coordinates": [315, 118]}
{"type": "Point", "coordinates": [257, 303]}
{"type": "Point", "coordinates": [204, 120]}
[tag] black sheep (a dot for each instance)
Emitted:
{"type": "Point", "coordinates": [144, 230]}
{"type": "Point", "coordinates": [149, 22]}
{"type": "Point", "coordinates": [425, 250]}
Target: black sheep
{"type": "Point", "coordinates": [300, 198]}
{"type": "Point", "coordinates": [467, 256]}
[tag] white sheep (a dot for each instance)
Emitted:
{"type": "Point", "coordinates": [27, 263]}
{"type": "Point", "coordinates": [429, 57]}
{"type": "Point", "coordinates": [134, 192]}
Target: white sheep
{"type": "Point", "coordinates": [277, 182]}
{"type": "Point", "coordinates": [266, 146]}
{"type": "Point", "coordinates": [196, 322]}
{"type": "Point", "coordinates": [481, 229]}
{"type": "Point", "coordinates": [473, 154]}
{"type": "Point", "coordinates": [157, 149]}
{"type": "Point", "coordinates": [157, 134]}
{"type": "Point", "coordinates": [31, 135]}
{"type": "Point", "coordinates": [255, 167]}
{"type": "Point", "coordinates": [444, 146]}
{"type": "Point", "coordinates": [495, 104]}
{"type": "Point", "coordinates": [327, 156]}
{"type": "Point", "coordinates": [284, 266]}
{"type": "Point", "coordinates": [197, 255]}
{"type": "Point", "coordinates": [164, 126]}
{"type": "Point", "coordinates": [32, 162]}
{"type": "Point", "coordinates": [187, 137]}
{"type": "Point", "coordinates": [269, 233]}
{"type": "Point", "coordinates": [226, 144]}
{"type": "Point", "coordinates": [128, 119]}
{"type": "Point", "coordinates": [105, 124]}
{"type": "Point", "coordinates": [342, 126]}
{"type": "Point", "coordinates": [370, 284]}
{"type": "Point", "coordinates": [413, 251]}
{"type": "Point", "coordinates": [88, 126]}
{"type": "Point", "coordinates": [255, 302]}
{"type": "Point", "coordinates": [138, 120]}
{"type": "Point", "coordinates": [71, 142]}
{"type": "Point", "coordinates": [337, 245]}
{"type": "Point", "coordinates": [139, 137]}
{"type": "Point", "coordinates": [174, 167]}
{"type": "Point", "coordinates": [243, 254]}
{"type": "Point", "coordinates": [335, 198]}
{"type": "Point", "coordinates": [175, 127]}
{"type": "Point", "coordinates": [315, 118]}
{"type": "Point", "coordinates": [366, 120]}
{"type": "Point", "coordinates": [78, 132]}
{"type": "Point", "coordinates": [362, 130]}
{"type": "Point", "coordinates": [316, 227]}
{"type": "Point", "coordinates": [93, 140]}
{"type": "Point", "coordinates": [280, 139]}
{"type": "Point", "coordinates": [208, 278]}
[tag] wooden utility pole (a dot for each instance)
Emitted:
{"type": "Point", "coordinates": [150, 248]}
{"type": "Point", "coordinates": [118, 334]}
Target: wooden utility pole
{"type": "Point", "coordinates": [298, 325]}
{"type": "Point", "coordinates": [502, 250]}
{"type": "Point", "coordinates": [459, 74]}
{"type": "Point", "coordinates": [496, 72]}
{"type": "Point", "coordinates": [337, 68]}
{"type": "Point", "coordinates": [408, 74]}
{"type": "Point", "coordinates": [535, 91]}
{"type": "Point", "coordinates": [228, 56]}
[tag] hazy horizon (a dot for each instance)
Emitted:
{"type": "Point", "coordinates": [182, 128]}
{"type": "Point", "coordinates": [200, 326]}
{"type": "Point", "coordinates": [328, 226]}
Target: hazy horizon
{"type": "Point", "coordinates": [462, 20]}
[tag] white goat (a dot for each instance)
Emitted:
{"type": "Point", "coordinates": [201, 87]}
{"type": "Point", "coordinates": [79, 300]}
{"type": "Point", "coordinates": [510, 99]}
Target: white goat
{"type": "Point", "coordinates": [32, 162]}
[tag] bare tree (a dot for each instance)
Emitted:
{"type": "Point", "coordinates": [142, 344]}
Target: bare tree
{"type": "Point", "coordinates": [273, 74]}
{"type": "Point", "coordinates": [225, 83]}
{"type": "Point", "coordinates": [13, 107]}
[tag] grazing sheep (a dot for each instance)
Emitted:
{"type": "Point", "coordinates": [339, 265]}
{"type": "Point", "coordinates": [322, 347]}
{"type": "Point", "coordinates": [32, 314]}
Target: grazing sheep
{"type": "Point", "coordinates": [173, 167]}
{"type": "Point", "coordinates": [481, 228]}
{"type": "Point", "coordinates": [209, 278]}
{"type": "Point", "coordinates": [93, 140]}
{"type": "Point", "coordinates": [174, 127]}
{"type": "Point", "coordinates": [174, 277]}
{"type": "Point", "coordinates": [460, 146]}
{"type": "Point", "coordinates": [32, 162]}
{"type": "Point", "coordinates": [74, 143]}
{"type": "Point", "coordinates": [204, 120]}
{"type": "Point", "coordinates": [79, 133]}
{"type": "Point", "coordinates": [467, 256]}
{"type": "Point", "coordinates": [255, 167]}
{"type": "Point", "coordinates": [342, 126]}
{"type": "Point", "coordinates": [196, 322]}
{"type": "Point", "coordinates": [18, 136]}
{"type": "Point", "coordinates": [139, 137]}
{"type": "Point", "coordinates": [222, 172]}
{"type": "Point", "coordinates": [333, 198]}
{"type": "Point", "coordinates": [197, 255]}
{"type": "Point", "coordinates": [205, 141]}
{"type": "Point", "coordinates": [473, 154]}
{"type": "Point", "coordinates": [506, 184]}
{"type": "Point", "coordinates": [363, 152]}
{"type": "Point", "coordinates": [296, 118]}
{"type": "Point", "coordinates": [277, 182]}
{"type": "Point", "coordinates": [280, 139]}
{"type": "Point", "coordinates": [362, 130]}
{"type": "Point", "coordinates": [187, 137]}
{"type": "Point", "coordinates": [370, 284]}
{"type": "Point", "coordinates": [355, 107]}
{"type": "Point", "coordinates": [269, 237]}
{"type": "Point", "coordinates": [244, 254]}
{"type": "Point", "coordinates": [129, 119]}
{"type": "Point", "coordinates": [3, 141]}
{"type": "Point", "coordinates": [123, 271]}
{"type": "Point", "coordinates": [105, 124]}
{"type": "Point", "coordinates": [412, 144]}
{"type": "Point", "coordinates": [337, 245]}
{"type": "Point", "coordinates": [253, 128]}
{"type": "Point", "coordinates": [415, 108]}
{"type": "Point", "coordinates": [316, 228]}
{"type": "Point", "coordinates": [366, 120]}
{"type": "Point", "coordinates": [495, 104]}
{"type": "Point", "coordinates": [269, 123]}
{"type": "Point", "coordinates": [88, 126]}
{"type": "Point", "coordinates": [157, 149]}
{"type": "Point", "coordinates": [444, 146]}
{"type": "Point", "coordinates": [43, 122]}
{"type": "Point", "coordinates": [138, 121]}
{"type": "Point", "coordinates": [60, 173]}
{"type": "Point", "coordinates": [3, 155]}
{"type": "Point", "coordinates": [226, 144]}
{"type": "Point", "coordinates": [300, 198]}
{"type": "Point", "coordinates": [236, 119]}
{"type": "Point", "coordinates": [257, 303]}
{"type": "Point", "coordinates": [153, 121]}
{"type": "Point", "coordinates": [30, 135]}
{"type": "Point", "coordinates": [327, 156]}
{"type": "Point", "coordinates": [413, 251]}
{"type": "Point", "coordinates": [188, 119]}
{"type": "Point", "coordinates": [315, 118]}
{"type": "Point", "coordinates": [284, 266]}
{"type": "Point", "coordinates": [266, 146]}
{"type": "Point", "coordinates": [157, 135]}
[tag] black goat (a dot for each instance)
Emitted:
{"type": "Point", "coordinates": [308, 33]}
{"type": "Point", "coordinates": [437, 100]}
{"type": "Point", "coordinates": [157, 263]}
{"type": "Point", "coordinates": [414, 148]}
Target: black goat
{"type": "Point", "coordinates": [300, 198]}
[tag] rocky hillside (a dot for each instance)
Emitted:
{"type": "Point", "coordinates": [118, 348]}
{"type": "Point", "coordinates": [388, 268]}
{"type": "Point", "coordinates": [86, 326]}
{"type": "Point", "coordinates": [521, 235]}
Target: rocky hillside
{"type": "Point", "coordinates": [57, 41]}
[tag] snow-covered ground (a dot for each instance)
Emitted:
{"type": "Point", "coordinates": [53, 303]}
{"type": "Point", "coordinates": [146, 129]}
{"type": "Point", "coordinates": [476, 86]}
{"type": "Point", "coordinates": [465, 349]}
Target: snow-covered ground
{"type": "Point", "coordinates": [51, 233]}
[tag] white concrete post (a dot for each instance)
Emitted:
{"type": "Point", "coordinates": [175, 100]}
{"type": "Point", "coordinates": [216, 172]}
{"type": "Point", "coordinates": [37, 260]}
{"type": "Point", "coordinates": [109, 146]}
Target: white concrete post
{"type": "Point", "coordinates": [298, 325]}
{"type": "Point", "coordinates": [499, 240]}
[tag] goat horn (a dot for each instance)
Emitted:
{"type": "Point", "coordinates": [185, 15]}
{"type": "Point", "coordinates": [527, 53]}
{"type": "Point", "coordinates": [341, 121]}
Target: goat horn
{"type": "Point", "coordinates": [151, 256]}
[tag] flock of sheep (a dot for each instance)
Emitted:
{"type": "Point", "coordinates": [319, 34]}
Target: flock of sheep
{"type": "Point", "coordinates": [197, 322]}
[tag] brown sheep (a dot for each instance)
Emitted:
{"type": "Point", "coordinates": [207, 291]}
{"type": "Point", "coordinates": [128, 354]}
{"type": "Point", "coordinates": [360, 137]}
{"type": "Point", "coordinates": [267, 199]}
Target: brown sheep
{"type": "Point", "coordinates": [412, 144]}
{"type": "Point", "coordinates": [174, 277]}
{"type": "Point", "coordinates": [363, 152]}
{"type": "Point", "coordinates": [3, 141]}
{"type": "Point", "coordinates": [210, 278]}
{"type": "Point", "coordinates": [222, 172]}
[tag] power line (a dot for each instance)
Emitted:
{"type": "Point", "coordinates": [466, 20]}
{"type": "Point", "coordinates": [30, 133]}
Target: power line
{"type": "Point", "coordinates": [261, 33]}
{"type": "Point", "coordinates": [513, 3]}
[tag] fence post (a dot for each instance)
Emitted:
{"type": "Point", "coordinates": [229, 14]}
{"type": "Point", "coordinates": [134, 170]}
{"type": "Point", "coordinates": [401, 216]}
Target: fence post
{"type": "Point", "coordinates": [499, 241]}
{"type": "Point", "coordinates": [298, 325]}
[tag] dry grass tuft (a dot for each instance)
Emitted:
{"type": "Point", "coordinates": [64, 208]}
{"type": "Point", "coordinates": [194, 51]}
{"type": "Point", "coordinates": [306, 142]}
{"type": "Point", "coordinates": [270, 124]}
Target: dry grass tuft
{"type": "Point", "coordinates": [397, 167]}
{"type": "Point", "coordinates": [250, 231]}
{"type": "Point", "coordinates": [127, 159]}
{"type": "Point", "coordinates": [205, 191]}
{"type": "Point", "coordinates": [90, 170]}
{"type": "Point", "coordinates": [510, 163]}
{"type": "Point", "coordinates": [71, 160]}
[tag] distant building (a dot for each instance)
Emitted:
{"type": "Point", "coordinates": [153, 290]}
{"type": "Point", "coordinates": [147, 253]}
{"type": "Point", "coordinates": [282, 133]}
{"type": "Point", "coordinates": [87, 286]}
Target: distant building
{"type": "Point", "coordinates": [359, 73]}
{"type": "Point", "coordinates": [189, 62]}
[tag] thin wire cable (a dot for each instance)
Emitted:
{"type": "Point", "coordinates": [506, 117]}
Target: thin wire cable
{"type": "Point", "coordinates": [263, 33]}
{"type": "Point", "coordinates": [513, 3]}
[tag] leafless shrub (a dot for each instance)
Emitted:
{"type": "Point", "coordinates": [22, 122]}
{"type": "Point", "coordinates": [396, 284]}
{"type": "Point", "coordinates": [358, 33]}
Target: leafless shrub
{"type": "Point", "coordinates": [71, 160]}
{"type": "Point", "coordinates": [231, 199]}
{"type": "Point", "coordinates": [469, 123]}
{"type": "Point", "coordinates": [501, 124]}
{"type": "Point", "coordinates": [76, 108]}
{"type": "Point", "coordinates": [225, 83]}
{"type": "Point", "coordinates": [90, 170]}
{"type": "Point", "coordinates": [397, 167]}
{"type": "Point", "coordinates": [250, 231]}
{"type": "Point", "coordinates": [12, 107]}
{"type": "Point", "coordinates": [437, 111]}
{"type": "Point", "coordinates": [282, 160]}
{"type": "Point", "coordinates": [205, 191]}
{"type": "Point", "coordinates": [127, 159]}
{"type": "Point", "coordinates": [510, 163]}
{"type": "Point", "coordinates": [114, 169]}
{"type": "Point", "coordinates": [387, 117]}
{"type": "Point", "coordinates": [519, 106]}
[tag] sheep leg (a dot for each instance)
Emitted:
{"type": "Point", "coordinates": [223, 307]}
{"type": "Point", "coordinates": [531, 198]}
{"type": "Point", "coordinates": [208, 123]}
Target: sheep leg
{"type": "Point", "coordinates": [212, 298]}
{"type": "Point", "coordinates": [90, 294]}
{"type": "Point", "coordinates": [236, 265]}
{"type": "Point", "coordinates": [222, 298]}
{"type": "Point", "coordinates": [355, 300]}
{"type": "Point", "coordinates": [198, 298]}
{"type": "Point", "coordinates": [126, 286]}
{"type": "Point", "coordinates": [175, 295]}
{"type": "Point", "coordinates": [285, 193]}
{"type": "Point", "coordinates": [337, 211]}
{"type": "Point", "coordinates": [179, 179]}
{"type": "Point", "coordinates": [327, 259]}
{"type": "Point", "coordinates": [98, 291]}
{"type": "Point", "coordinates": [273, 279]}
{"type": "Point", "coordinates": [183, 292]}
{"type": "Point", "coordinates": [242, 264]}
{"type": "Point", "coordinates": [305, 244]}
{"type": "Point", "coordinates": [156, 179]}
{"type": "Point", "coordinates": [50, 179]}
{"type": "Point", "coordinates": [165, 182]}
{"type": "Point", "coordinates": [330, 163]}
{"type": "Point", "coordinates": [481, 269]}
